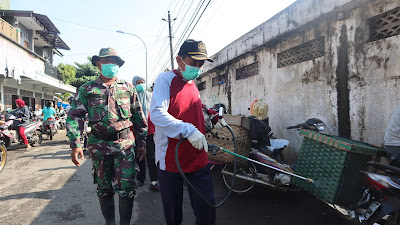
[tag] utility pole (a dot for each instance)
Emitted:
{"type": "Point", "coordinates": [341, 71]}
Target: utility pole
{"type": "Point", "coordinates": [170, 39]}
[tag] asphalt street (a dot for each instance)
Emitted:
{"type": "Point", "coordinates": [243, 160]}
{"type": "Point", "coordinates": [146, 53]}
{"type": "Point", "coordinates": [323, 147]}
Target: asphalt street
{"type": "Point", "coordinates": [43, 187]}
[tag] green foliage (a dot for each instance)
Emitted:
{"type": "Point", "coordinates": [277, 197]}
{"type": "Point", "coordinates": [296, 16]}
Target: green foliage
{"type": "Point", "coordinates": [78, 74]}
{"type": "Point", "coordinates": [85, 72]}
{"type": "Point", "coordinates": [64, 97]}
{"type": "Point", "coordinates": [67, 72]}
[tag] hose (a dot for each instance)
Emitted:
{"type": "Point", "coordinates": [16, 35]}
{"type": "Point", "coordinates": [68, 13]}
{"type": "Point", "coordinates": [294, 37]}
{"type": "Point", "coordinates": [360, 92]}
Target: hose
{"type": "Point", "coordinates": [191, 185]}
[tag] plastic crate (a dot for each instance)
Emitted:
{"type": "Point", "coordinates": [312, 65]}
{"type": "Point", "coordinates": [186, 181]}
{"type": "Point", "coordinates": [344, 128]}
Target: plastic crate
{"type": "Point", "coordinates": [334, 163]}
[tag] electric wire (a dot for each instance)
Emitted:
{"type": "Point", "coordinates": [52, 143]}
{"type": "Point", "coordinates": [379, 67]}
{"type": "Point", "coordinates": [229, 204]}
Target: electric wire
{"type": "Point", "coordinates": [167, 60]}
{"type": "Point", "coordinates": [199, 18]}
{"type": "Point", "coordinates": [163, 28]}
{"type": "Point", "coordinates": [191, 20]}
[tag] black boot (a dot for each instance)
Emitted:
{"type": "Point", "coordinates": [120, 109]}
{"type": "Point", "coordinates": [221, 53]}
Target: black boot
{"type": "Point", "coordinates": [108, 209]}
{"type": "Point", "coordinates": [125, 210]}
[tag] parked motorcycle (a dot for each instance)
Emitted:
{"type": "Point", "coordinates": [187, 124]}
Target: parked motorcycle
{"type": "Point", "coordinates": [61, 120]}
{"type": "Point", "coordinates": [10, 136]}
{"type": "Point", "coordinates": [50, 128]}
{"type": "Point", "coordinates": [380, 203]}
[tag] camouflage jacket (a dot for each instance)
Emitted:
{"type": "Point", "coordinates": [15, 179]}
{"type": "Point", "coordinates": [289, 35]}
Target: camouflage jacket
{"type": "Point", "coordinates": [110, 109]}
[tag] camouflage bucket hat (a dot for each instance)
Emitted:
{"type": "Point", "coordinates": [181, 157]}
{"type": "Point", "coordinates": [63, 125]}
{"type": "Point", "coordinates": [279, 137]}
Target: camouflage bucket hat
{"type": "Point", "coordinates": [107, 52]}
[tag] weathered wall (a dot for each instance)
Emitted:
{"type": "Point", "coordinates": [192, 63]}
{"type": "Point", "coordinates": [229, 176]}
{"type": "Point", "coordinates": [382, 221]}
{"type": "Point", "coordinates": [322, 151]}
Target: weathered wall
{"type": "Point", "coordinates": [353, 87]}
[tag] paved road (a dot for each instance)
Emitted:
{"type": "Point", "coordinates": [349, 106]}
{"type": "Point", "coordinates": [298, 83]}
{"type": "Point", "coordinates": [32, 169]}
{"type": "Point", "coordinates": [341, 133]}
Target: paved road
{"type": "Point", "coordinates": [43, 187]}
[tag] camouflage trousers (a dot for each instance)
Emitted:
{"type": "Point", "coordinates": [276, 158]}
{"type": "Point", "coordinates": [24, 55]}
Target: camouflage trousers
{"type": "Point", "coordinates": [114, 173]}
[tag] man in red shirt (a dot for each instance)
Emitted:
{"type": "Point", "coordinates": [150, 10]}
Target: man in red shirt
{"type": "Point", "coordinates": [176, 112]}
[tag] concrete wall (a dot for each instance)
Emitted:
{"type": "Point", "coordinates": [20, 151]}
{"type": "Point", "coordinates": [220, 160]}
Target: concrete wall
{"type": "Point", "coordinates": [365, 74]}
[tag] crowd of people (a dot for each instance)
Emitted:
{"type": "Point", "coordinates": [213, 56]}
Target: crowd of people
{"type": "Point", "coordinates": [132, 127]}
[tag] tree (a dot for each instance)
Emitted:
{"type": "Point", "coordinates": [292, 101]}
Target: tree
{"type": "Point", "coordinates": [85, 72]}
{"type": "Point", "coordinates": [67, 72]}
{"type": "Point", "coordinates": [64, 97]}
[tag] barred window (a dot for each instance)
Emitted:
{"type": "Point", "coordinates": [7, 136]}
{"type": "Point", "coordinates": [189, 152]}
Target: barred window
{"type": "Point", "coordinates": [220, 79]}
{"type": "Point", "coordinates": [201, 86]}
{"type": "Point", "coordinates": [247, 71]}
{"type": "Point", "coordinates": [26, 93]}
{"type": "Point", "coordinates": [38, 95]}
{"type": "Point", "coordinates": [304, 52]}
{"type": "Point", "coordinates": [10, 90]}
{"type": "Point", "coordinates": [384, 25]}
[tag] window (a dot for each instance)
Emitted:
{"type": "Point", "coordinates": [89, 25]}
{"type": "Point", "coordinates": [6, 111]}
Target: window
{"type": "Point", "coordinates": [247, 71]}
{"type": "Point", "coordinates": [220, 79]}
{"type": "Point", "coordinates": [304, 52]}
{"type": "Point", "coordinates": [201, 86]}
{"type": "Point", "coordinates": [384, 25]}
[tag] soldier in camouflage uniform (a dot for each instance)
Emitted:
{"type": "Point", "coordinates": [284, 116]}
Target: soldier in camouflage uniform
{"type": "Point", "coordinates": [113, 112]}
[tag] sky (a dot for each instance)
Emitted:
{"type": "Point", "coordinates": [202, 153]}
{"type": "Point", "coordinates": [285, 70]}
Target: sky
{"type": "Point", "coordinates": [86, 26]}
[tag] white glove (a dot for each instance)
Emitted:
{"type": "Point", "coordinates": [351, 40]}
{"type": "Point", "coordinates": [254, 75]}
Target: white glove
{"type": "Point", "coordinates": [198, 140]}
{"type": "Point", "coordinates": [220, 124]}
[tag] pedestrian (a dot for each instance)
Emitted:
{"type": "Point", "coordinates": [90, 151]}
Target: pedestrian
{"type": "Point", "coordinates": [23, 115]}
{"type": "Point", "coordinates": [69, 104]}
{"type": "Point", "coordinates": [176, 111]}
{"type": "Point", "coordinates": [113, 108]}
{"type": "Point", "coordinates": [145, 98]}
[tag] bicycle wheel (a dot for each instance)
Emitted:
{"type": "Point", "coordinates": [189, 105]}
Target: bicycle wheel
{"type": "Point", "coordinates": [241, 187]}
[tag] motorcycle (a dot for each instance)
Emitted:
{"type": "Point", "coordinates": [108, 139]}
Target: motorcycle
{"type": "Point", "coordinates": [10, 136]}
{"type": "Point", "coordinates": [61, 120]}
{"type": "Point", "coordinates": [50, 128]}
{"type": "Point", "coordinates": [380, 202]}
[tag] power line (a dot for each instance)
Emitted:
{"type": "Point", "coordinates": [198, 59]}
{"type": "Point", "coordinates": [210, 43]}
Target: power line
{"type": "Point", "coordinates": [212, 16]}
{"type": "Point", "coordinates": [191, 20]}
{"type": "Point", "coordinates": [199, 18]}
{"type": "Point", "coordinates": [186, 29]}
{"type": "Point", "coordinates": [163, 49]}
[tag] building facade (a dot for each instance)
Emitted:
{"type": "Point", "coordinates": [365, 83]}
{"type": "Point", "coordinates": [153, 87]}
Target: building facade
{"type": "Point", "coordinates": [334, 60]}
{"type": "Point", "coordinates": [28, 43]}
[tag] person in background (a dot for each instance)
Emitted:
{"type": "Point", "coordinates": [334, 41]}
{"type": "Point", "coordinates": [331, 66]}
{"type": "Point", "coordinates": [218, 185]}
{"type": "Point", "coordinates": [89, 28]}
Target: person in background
{"type": "Point", "coordinates": [176, 111]}
{"type": "Point", "coordinates": [145, 98]}
{"type": "Point", "coordinates": [392, 139]}
{"type": "Point", "coordinates": [48, 111]}
{"type": "Point", "coordinates": [69, 106]}
{"type": "Point", "coordinates": [23, 115]}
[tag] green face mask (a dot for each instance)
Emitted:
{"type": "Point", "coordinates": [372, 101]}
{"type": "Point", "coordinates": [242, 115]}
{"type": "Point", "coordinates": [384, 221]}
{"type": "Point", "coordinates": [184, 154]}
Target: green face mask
{"type": "Point", "coordinates": [109, 70]}
{"type": "Point", "coordinates": [191, 72]}
{"type": "Point", "coordinates": [140, 87]}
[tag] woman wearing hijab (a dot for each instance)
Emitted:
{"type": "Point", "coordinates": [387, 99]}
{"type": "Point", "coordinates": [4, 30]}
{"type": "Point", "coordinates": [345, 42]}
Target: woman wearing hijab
{"type": "Point", "coordinates": [145, 98]}
{"type": "Point", "coordinates": [23, 115]}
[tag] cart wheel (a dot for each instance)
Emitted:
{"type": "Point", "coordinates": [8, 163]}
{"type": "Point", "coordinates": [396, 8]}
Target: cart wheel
{"type": "Point", "coordinates": [3, 156]}
{"type": "Point", "coordinates": [241, 187]}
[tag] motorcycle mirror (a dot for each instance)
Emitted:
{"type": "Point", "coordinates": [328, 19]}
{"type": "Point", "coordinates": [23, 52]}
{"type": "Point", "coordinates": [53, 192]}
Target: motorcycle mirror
{"type": "Point", "coordinates": [315, 124]}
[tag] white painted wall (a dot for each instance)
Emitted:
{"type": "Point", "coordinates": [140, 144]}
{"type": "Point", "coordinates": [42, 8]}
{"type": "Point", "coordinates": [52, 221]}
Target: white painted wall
{"type": "Point", "coordinates": [305, 90]}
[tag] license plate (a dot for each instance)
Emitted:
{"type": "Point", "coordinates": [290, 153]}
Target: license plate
{"type": "Point", "coordinates": [371, 209]}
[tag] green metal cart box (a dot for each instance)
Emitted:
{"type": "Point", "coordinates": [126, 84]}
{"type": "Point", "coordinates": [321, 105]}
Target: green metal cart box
{"type": "Point", "coordinates": [334, 163]}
